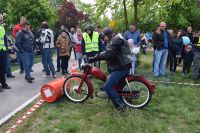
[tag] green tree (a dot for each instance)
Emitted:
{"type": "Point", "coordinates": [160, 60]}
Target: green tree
{"type": "Point", "coordinates": [146, 13]}
{"type": "Point", "coordinates": [3, 6]}
{"type": "Point", "coordinates": [36, 11]}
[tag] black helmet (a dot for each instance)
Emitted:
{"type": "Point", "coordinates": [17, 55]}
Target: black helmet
{"type": "Point", "coordinates": [90, 27]}
{"type": "Point", "coordinates": [107, 31]}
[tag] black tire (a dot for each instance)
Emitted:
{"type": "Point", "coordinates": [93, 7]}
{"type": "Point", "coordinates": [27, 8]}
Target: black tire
{"type": "Point", "coordinates": [143, 88]}
{"type": "Point", "coordinates": [70, 85]}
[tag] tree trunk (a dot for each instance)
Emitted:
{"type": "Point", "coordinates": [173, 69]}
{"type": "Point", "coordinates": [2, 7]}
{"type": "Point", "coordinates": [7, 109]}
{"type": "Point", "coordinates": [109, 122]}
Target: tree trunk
{"type": "Point", "coordinates": [135, 12]}
{"type": "Point", "coordinates": [125, 15]}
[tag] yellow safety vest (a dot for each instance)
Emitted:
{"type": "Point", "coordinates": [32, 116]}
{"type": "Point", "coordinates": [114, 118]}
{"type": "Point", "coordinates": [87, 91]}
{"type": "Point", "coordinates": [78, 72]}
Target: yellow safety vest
{"type": "Point", "coordinates": [2, 43]}
{"type": "Point", "coordinates": [198, 44]}
{"type": "Point", "coordinates": [91, 45]}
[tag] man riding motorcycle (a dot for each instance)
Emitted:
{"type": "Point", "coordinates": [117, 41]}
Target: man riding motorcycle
{"type": "Point", "coordinates": [118, 57]}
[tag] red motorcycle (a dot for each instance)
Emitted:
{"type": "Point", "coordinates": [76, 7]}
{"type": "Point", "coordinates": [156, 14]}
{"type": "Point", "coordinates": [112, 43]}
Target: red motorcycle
{"type": "Point", "coordinates": [135, 91]}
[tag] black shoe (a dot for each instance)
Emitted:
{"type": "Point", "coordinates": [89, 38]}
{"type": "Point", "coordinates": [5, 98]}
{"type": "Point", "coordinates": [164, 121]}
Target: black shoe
{"type": "Point", "coordinates": [121, 107]}
{"type": "Point", "coordinates": [32, 78]}
{"type": "Point", "coordinates": [58, 70]}
{"type": "Point", "coordinates": [195, 78]}
{"type": "Point", "coordinates": [31, 70]}
{"type": "Point", "coordinates": [6, 87]}
{"type": "Point", "coordinates": [29, 80]}
{"type": "Point", "coordinates": [1, 89]}
{"type": "Point", "coordinates": [21, 71]}
{"type": "Point", "coordinates": [63, 73]}
{"type": "Point", "coordinates": [10, 76]}
{"type": "Point", "coordinates": [67, 73]}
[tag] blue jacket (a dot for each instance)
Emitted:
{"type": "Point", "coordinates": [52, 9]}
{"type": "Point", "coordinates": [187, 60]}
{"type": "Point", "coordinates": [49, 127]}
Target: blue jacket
{"type": "Point", "coordinates": [133, 35]}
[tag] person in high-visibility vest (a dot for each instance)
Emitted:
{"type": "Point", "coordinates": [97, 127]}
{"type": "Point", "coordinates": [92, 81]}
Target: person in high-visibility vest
{"type": "Point", "coordinates": [196, 59]}
{"type": "Point", "coordinates": [3, 56]}
{"type": "Point", "coordinates": [91, 44]}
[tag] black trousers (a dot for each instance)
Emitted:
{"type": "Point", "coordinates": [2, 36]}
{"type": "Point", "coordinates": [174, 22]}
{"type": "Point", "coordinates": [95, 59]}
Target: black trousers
{"type": "Point", "coordinates": [64, 63]}
{"type": "Point", "coordinates": [173, 63]}
{"type": "Point", "coordinates": [3, 58]}
{"type": "Point", "coordinates": [186, 66]}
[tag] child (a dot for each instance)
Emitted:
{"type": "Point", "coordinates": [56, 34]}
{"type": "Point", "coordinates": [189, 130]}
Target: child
{"type": "Point", "coordinates": [77, 39]}
{"type": "Point", "coordinates": [187, 59]}
{"type": "Point", "coordinates": [134, 50]}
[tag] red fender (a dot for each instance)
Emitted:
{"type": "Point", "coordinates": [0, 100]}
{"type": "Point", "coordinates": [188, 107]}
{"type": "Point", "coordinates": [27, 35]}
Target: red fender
{"type": "Point", "coordinates": [87, 80]}
{"type": "Point", "coordinates": [151, 86]}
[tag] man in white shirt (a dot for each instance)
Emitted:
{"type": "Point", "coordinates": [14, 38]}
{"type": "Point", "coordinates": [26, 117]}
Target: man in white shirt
{"type": "Point", "coordinates": [47, 41]}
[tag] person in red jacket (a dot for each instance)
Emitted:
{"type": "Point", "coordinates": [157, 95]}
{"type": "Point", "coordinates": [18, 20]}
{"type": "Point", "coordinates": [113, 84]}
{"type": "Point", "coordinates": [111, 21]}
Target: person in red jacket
{"type": "Point", "coordinates": [78, 50]}
{"type": "Point", "coordinates": [16, 29]}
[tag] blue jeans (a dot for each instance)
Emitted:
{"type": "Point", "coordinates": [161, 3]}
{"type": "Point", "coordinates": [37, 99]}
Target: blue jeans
{"type": "Point", "coordinates": [113, 79]}
{"type": "Point", "coordinates": [20, 60]}
{"type": "Point", "coordinates": [28, 60]}
{"type": "Point", "coordinates": [47, 61]}
{"type": "Point", "coordinates": [153, 62]}
{"type": "Point", "coordinates": [160, 62]}
{"type": "Point", "coordinates": [8, 66]}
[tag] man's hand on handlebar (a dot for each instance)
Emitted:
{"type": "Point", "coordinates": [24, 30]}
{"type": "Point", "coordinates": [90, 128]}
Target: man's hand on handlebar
{"type": "Point", "coordinates": [91, 60]}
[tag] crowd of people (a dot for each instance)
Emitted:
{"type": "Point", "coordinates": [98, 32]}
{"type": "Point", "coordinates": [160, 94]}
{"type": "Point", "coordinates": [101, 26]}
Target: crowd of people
{"type": "Point", "coordinates": [169, 48]}
{"type": "Point", "coordinates": [25, 45]}
{"type": "Point", "coordinates": [173, 47]}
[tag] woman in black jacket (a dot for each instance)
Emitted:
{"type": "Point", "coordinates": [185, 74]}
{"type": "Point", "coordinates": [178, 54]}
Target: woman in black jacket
{"type": "Point", "coordinates": [175, 50]}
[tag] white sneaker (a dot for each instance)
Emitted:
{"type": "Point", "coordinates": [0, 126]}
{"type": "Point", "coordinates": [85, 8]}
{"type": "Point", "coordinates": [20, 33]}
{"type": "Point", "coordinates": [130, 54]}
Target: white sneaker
{"type": "Point", "coordinates": [102, 94]}
{"type": "Point", "coordinates": [54, 76]}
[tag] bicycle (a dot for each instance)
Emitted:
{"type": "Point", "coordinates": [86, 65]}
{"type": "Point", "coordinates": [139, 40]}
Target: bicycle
{"type": "Point", "coordinates": [135, 91]}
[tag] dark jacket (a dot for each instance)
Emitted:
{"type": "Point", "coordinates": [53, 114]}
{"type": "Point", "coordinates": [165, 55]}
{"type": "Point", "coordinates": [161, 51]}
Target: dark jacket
{"type": "Point", "coordinates": [176, 46]}
{"type": "Point", "coordinates": [158, 40]}
{"type": "Point", "coordinates": [6, 41]}
{"type": "Point", "coordinates": [117, 54]}
{"type": "Point", "coordinates": [195, 42]}
{"type": "Point", "coordinates": [25, 41]}
{"type": "Point", "coordinates": [190, 35]}
{"type": "Point", "coordinates": [188, 55]}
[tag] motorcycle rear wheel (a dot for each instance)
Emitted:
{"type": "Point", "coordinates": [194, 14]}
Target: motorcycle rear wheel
{"type": "Point", "coordinates": [144, 95]}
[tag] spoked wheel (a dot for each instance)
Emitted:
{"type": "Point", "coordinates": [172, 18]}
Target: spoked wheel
{"type": "Point", "coordinates": [139, 94]}
{"type": "Point", "coordinates": [71, 89]}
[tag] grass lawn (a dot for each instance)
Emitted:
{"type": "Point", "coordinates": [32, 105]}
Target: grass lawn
{"type": "Point", "coordinates": [173, 109]}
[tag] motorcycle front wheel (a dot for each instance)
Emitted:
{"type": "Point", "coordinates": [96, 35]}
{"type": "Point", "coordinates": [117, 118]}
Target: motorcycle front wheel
{"type": "Point", "coordinates": [70, 89]}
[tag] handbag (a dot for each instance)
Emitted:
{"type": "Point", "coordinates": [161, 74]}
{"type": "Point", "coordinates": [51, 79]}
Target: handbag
{"type": "Point", "coordinates": [13, 56]}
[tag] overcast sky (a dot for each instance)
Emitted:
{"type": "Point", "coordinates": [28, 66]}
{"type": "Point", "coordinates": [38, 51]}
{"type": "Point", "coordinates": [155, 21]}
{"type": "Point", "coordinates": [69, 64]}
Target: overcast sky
{"type": "Point", "coordinates": [108, 13]}
{"type": "Point", "coordinates": [88, 1]}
